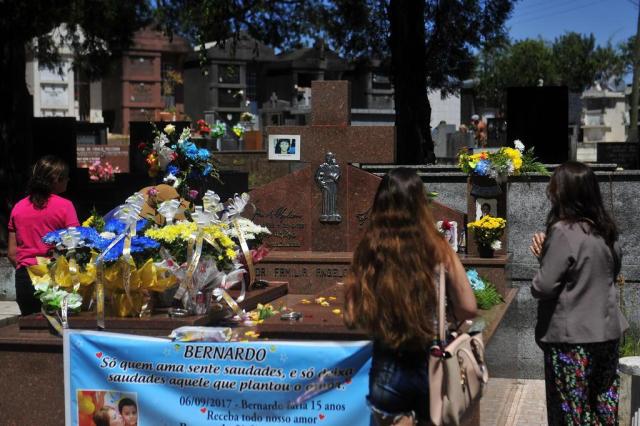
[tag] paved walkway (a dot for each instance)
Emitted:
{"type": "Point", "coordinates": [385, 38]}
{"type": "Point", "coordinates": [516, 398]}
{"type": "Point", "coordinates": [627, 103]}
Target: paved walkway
{"type": "Point", "coordinates": [507, 402]}
{"type": "Point", "coordinates": [517, 402]}
{"type": "Point", "coordinates": [8, 312]}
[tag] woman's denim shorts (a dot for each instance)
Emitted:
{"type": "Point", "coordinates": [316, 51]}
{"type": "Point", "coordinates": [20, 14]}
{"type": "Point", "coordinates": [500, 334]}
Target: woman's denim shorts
{"type": "Point", "coordinates": [399, 383]}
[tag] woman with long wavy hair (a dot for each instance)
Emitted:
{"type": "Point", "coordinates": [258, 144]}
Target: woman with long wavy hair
{"type": "Point", "coordinates": [391, 293]}
{"type": "Point", "coordinates": [579, 319]}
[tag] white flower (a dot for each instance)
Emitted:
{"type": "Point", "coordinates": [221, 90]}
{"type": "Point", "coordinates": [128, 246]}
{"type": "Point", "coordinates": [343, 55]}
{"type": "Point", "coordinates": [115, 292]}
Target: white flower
{"type": "Point", "coordinates": [160, 141]}
{"type": "Point", "coordinates": [169, 129]}
{"type": "Point", "coordinates": [249, 229]}
{"type": "Point", "coordinates": [496, 245]}
{"type": "Point", "coordinates": [168, 179]}
{"type": "Point", "coordinates": [165, 156]}
{"type": "Point", "coordinates": [519, 145]}
{"type": "Point", "coordinates": [186, 134]}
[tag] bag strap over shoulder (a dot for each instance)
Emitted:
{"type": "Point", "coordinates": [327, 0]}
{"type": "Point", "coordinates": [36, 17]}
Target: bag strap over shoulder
{"type": "Point", "coordinates": [441, 305]}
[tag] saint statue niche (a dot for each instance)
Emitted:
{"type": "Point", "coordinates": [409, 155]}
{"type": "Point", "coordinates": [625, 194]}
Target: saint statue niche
{"type": "Point", "coordinates": [327, 177]}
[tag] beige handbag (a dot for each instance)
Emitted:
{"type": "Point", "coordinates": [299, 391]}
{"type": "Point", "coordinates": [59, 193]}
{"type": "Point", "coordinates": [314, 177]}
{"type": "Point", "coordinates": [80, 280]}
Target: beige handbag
{"type": "Point", "coordinates": [457, 372]}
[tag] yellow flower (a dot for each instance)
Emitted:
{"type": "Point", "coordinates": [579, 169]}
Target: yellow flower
{"type": "Point", "coordinates": [169, 129]}
{"type": "Point", "coordinates": [88, 222]}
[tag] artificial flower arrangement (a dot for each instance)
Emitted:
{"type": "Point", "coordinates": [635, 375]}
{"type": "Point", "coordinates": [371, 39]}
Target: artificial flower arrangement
{"type": "Point", "coordinates": [100, 171]}
{"type": "Point", "coordinates": [487, 231]}
{"type": "Point", "coordinates": [504, 162]}
{"type": "Point", "coordinates": [486, 294]}
{"type": "Point", "coordinates": [207, 251]}
{"type": "Point", "coordinates": [184, 165]}
{"type": "Point", "coordinates": [203, 128]}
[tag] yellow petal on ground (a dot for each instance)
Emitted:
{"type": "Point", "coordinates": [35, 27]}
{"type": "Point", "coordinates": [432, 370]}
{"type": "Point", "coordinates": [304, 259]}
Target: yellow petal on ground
{"type": "Point", "coordinates": [320, 299]}
{"type": "Point", "coordinates": [332, 298]}
{"type": "Point", "coordinates": [305, 301]}
{"type": "Point", "coordinates": [337, 311]}
{"type": "Point", "coordinates": [324, 304]}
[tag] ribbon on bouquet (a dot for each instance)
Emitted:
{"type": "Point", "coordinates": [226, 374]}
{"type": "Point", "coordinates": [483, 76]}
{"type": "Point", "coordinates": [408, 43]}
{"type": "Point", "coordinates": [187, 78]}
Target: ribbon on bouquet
{"type": "Point", "coordinates": [70, 240]}
{"type": "Point", "coordinates": [236, 206]}
{"type": "Point", "coordinates": [128, 213]}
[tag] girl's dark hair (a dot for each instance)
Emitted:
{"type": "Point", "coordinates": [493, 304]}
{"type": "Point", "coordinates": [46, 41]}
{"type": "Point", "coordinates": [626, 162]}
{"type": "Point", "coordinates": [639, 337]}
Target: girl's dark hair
{"type": "Point", "coordinates": [575, 197]}
{"type": "Point", "coordinates": [46, 172]}
{"type": "Point", "coordinates": [390, 289]}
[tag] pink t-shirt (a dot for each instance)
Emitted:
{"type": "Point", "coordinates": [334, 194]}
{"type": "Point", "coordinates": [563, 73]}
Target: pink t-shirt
{"type": "Point", "coordinates": [30, 225]}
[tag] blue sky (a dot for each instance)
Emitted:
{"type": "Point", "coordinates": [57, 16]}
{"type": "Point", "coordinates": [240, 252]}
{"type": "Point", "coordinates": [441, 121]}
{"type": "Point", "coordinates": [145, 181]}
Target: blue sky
{"type": "Point", "coordinates": [614, 20]}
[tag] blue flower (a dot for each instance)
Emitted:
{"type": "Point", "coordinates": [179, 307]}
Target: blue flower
{"type": "Point", "coordinates": [203, 154]}
{"type": "Point", "coordinates": [190, 150]}
{"type": "Point", "coordinates": [118, 227]}
{"type": "Point", "coordinates": [483, 167]}
{"type": "Point", "coordinates": [138, 245]}
{"type": "Point", "coordinates": [207, 170]}
{"type": "Point", "coordinates": [173, 170]}
{"type": "Point", "coordinates": [474, 279]}
{"type": "Point", "coordinates": [89, 236]}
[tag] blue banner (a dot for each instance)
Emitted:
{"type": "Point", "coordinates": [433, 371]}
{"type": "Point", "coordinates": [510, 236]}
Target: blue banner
{"type": "Point", "coordinates": [127, 380]}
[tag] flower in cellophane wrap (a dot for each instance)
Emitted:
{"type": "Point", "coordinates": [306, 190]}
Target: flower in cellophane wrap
{"type": "Point", "coordinates": [204, 253]}
{"type": "Point", "coordinates": [127, 271]}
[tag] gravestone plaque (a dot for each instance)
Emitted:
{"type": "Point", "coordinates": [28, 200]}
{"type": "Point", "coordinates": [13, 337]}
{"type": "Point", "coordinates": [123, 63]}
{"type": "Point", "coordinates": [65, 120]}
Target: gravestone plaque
{"type": "Point", "coordinates": [141, 93]}
{"type": "Point", "coordinates": [624, 154]}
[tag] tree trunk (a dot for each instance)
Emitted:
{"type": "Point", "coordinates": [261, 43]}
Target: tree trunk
{"type": "Point", "coordinates": [408, 72]}
{"type": "Point", "coordinates": [633, 115]}
{"type": "Point", "coordinates": [15, 129]}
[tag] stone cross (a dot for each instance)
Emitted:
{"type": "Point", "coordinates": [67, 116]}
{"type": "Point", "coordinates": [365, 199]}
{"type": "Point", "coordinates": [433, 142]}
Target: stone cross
{"type": "Point", "coordinates": [331, 130]}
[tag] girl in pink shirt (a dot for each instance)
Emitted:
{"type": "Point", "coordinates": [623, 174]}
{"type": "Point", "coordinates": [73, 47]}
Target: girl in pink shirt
{"type": "Point", "coordinates": [42, 211]}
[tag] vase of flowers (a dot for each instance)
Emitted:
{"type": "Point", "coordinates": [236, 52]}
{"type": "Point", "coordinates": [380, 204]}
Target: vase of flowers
{"type": "Point", "coordinates": [487, 232]}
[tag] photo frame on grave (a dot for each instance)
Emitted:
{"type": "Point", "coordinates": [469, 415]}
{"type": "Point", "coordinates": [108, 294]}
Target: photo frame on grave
{"type": "Point", "coordinates": [450, 235]}
{"type": "Point", "coordinates": [486, 206]}
{"type": "Point", "coordinates": [284, 147]}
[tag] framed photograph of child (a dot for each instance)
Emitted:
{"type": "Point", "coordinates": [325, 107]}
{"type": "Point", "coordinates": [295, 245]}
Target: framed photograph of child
{"type": "Point", "coordinates": [284, 147]}
{"type": "Point", "coordinates": [486, 206]}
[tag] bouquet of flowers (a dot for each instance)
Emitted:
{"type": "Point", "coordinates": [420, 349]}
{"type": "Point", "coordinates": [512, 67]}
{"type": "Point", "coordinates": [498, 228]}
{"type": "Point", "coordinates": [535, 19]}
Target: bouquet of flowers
{"type": "Point", "coordinates": [204, 252]}
{"type": "Point", "coordinates": [218, 130]}
{"type": "Point", "coordinates": [487, 231]}
{"type": "Point", "coordinates": [504, 162]}
{"type": "Point", "coordinates": [238, 130]}
{"type": "Point", "coordinates": [203, 128]}
{"type": "Point", "coordinates": [102, 171]}
{"type": "Point", "coordinates": [184, 164]}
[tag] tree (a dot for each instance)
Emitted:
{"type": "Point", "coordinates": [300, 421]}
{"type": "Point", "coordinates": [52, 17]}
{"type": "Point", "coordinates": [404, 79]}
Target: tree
{"type": "Point", "coordinates": [574, 61]}
{"type": "Point", "coordinates": [429, 42]}
{"type": "Point", "coordinates": [94, 29]}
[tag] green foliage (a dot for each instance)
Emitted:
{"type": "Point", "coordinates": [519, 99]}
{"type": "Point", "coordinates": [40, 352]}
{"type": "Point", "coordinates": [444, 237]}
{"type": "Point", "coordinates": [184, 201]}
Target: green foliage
{"type": "Point", "coordinates": [573, 56]}
{"type": "Point", "coordinates": [488, 297]}
{"type": "Point", "coordinates": [530, 164]}
{"type": "Point", "coordinates": [572, 59]}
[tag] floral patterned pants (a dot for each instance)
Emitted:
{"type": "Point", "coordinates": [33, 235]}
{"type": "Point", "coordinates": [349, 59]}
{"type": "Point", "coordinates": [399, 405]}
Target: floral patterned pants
{"type": "Point", "coordinates": [581, 383]}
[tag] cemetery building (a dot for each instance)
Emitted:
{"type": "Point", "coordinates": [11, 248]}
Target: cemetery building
{"type": "Point", "coordinates": [246, 75]}
{"type": "Point", "coordinates": [604, 119]}
{"type": "Point", "coordinates": [60, 90]}
{"type": "Point", "coordinates": [146, 81]}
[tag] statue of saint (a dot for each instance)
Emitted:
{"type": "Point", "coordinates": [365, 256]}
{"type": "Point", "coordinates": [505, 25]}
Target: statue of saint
{"type": "Point", "coordinates": [327, 177]}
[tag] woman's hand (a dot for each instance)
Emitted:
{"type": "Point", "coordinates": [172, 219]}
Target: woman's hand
{"type": "Point", "coordinates": [536, 244]}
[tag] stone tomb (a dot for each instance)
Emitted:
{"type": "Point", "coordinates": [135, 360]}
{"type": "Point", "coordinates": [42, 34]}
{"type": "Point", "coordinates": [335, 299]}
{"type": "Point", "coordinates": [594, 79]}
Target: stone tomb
{"type": "Point", "coordinates": [313, 255]}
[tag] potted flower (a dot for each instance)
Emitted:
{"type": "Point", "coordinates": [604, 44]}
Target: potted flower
{"type": "Point", "coordinates": [486, 233]}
